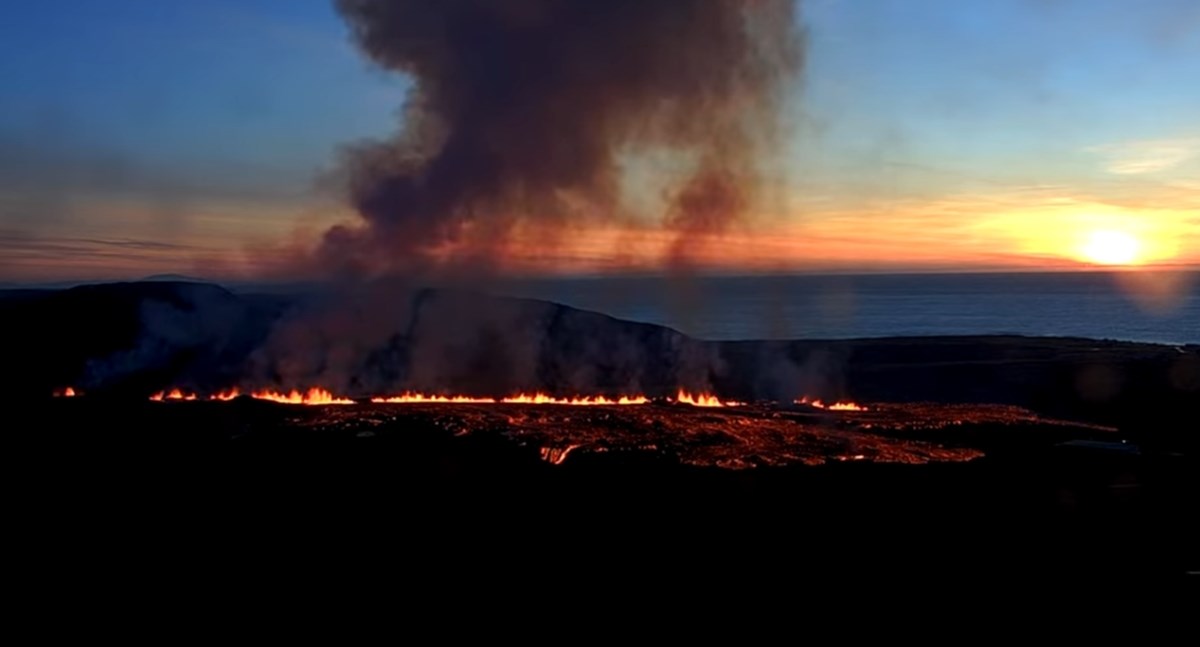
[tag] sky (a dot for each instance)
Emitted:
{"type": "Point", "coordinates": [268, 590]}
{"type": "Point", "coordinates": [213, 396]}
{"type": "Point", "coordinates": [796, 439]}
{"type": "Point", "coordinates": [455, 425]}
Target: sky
{"type": "Point", "coordinates": [201, 137]}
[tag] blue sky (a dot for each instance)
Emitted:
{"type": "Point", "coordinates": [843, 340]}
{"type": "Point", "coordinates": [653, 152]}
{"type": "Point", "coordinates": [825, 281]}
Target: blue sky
{"type": "Point", "coordinates": [215, 89]}
{"type": "Point", "coordinates": [206, 126]}
{"type": "Point", "coordinates": [1002, 89]}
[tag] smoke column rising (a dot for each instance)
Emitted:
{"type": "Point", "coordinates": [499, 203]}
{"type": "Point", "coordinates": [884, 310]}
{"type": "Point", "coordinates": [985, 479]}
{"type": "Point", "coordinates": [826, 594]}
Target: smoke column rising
{"type": "Point", "coordinates": [521, 110]}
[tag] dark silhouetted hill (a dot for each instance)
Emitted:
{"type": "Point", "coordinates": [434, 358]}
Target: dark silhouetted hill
{"type": "Point", "coordinates": [131, 339]}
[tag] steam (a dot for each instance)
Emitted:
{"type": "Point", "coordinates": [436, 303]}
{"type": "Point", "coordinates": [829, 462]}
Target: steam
{"type": "Point", "coordinates": [443, 341]}
{"type": "Point", "coordinates": [522, 110]}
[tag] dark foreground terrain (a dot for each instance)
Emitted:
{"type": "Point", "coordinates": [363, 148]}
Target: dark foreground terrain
{"type": "Point", "coordinates": [654, 500]}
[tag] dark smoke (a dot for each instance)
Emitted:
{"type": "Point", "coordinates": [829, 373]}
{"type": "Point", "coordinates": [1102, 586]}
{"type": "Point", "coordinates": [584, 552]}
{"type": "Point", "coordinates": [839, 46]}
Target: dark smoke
{"type": "Point", "coordinates": [522, 109]}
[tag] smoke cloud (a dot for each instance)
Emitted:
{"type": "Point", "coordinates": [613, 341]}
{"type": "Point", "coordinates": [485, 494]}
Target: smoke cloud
{"type": "Point", "coordinates": [522, 110]}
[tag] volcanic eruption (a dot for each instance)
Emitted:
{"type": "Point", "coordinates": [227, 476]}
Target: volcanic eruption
{"type": "Point", "coordinates": [527, 118]}
{"type": "Point", "coordinates": [401, 412]}
{"type": "Point", "coordinates": [526, 121]}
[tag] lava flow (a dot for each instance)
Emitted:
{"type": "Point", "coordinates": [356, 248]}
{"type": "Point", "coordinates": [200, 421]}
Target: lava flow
{"type": "Point", "coordinates": [173, 394]}
{"type": "Point", "coordinates": [419, 398]}
{"type": "Point", "coordinates": [702, 400]}
{"type": "Point", "coordinates": [836, 406]}
{"type": "Point", "coordinates": [320, 396]}
{"type": "Point", "coordinates": [542, 398]}
{"type": "Point", "coordinates": [520, 398]}
{"type": "Point", "coordinates": [313, 396]}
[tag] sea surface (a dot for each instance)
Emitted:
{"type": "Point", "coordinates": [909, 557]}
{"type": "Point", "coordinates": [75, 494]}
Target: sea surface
{"type": "Point", "coordinates": [1161, 307]}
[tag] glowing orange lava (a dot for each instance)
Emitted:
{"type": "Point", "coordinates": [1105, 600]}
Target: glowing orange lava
{"type": "Point", "coordinates": [173, 394]}
{"type": "Point", "coordinates": [320, 396]}
{"type": "Point", "coordinates": [542, 398]}
{"type": "Point", "coordinates": [68, 392]}
{"type": "Point", "coordinates": [418, 398]}
{"type": "Point", "coordinates": [313, 396]}
{"type": "Point", "coordinates": [702, 400]}
{"type": "Point", "coordinates": [520, 398]}
{"type": "Point", "coordinates": [836, 406]}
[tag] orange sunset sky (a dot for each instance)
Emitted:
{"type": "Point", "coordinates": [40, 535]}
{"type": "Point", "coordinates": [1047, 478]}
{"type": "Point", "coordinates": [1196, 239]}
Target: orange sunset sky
{"type": "Point", "coordinates": [938, 136]}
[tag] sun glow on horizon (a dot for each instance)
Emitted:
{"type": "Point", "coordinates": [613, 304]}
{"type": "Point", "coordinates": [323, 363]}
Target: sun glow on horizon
{"type": "Point", "coordinates": [1078, 234]}
{"type": "Point", "coordinates": [1001, 230]}
{"type": "Point", "coordinates": [1112, 247]}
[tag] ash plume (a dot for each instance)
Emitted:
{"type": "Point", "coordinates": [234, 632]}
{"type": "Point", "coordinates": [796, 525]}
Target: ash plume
{"type": "Point", "coordinates": [522, 110]}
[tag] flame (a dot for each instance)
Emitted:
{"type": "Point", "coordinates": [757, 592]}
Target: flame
{"type": "Point", "coordinates": [320, 396]}
{"type": "Point", "coordinates": [68, 392]}
{"type": "Point", "coordinates": [699, 400]}
{"type": "Point", "coordinates": [836, 406]}
{"type": "Point", "coordinates": [409, 397]}
{"type": "Point", "coordinates": [542, 398]}
{"type": "Point", "coordinates": [173, 394]}
{"type": "Point", "coordinates": [313, 396]}
{"type": "Point", "coordinates": [520, 398]}
{"type": "Point", "coordinates": [702, 400]}
{"type": "Point", "coordinates": [557, 455]}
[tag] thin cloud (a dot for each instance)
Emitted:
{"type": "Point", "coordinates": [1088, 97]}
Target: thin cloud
{"type": "Point", "coordinates": [21, 245]}
{"type": "Point", "coordinates": [1148, 155]}
{"type": "Point", "coordinates": [137, 244]}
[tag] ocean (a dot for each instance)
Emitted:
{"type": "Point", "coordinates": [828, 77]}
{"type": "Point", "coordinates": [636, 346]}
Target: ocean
{"type": "Point", "coordinates": [1142, 306]}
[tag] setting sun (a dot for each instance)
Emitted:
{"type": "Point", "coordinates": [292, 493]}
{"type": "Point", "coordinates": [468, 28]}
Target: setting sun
{"type": "Point", "coordinates": [1111, 247]}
